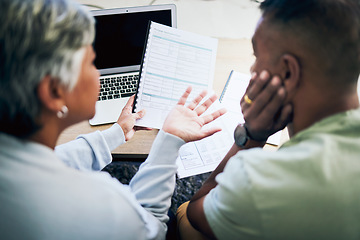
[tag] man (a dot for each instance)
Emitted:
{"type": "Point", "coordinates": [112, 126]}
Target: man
{"type": "Point", "coordinates": [309, 188]}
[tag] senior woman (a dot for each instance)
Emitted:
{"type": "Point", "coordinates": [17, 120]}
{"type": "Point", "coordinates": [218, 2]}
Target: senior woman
{"type": "Point", "coordinates": [48, 82]}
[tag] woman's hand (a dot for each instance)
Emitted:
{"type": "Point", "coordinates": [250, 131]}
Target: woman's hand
{"type": "Point", "coordinates": [263, 106]}
{"type": "Point", "coordinates": [187, 122]}
{"type": "Point", "coordinates": [127, 119]}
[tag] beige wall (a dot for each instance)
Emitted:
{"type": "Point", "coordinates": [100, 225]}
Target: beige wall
{"type": "Point", "coordinates": [233, 19]}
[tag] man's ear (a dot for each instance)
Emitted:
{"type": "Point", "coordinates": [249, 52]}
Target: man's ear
{"type": "Point", "coordinates": [292, 73]}
{"type": "Point", "coordinates": [51, 94]}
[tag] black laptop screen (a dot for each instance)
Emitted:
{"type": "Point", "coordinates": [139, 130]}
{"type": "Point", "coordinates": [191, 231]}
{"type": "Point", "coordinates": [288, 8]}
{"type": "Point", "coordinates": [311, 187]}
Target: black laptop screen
{"type": "Point", "coordinates": [120, 38]}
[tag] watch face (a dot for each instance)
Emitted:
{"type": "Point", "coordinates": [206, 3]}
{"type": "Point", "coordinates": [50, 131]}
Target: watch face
{"type": "Point", "coordinates": [240, 135]}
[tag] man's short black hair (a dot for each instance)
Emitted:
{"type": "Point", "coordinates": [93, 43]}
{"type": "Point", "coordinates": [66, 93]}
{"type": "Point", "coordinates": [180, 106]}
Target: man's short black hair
{"type": "Point", "coordinates": [331, 28]}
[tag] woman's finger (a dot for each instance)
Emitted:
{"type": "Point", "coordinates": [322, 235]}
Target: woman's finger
{"type": "Point", "coordinates": [129, 104]}
{"type": "Point", "coordinates": [184, 97]}
{"type": "Point", "coordinates": [211, 117]}
{"type": "Point", "coordinates": [203, 107]}
{"type": "Point", "coordinates": [197, 100]}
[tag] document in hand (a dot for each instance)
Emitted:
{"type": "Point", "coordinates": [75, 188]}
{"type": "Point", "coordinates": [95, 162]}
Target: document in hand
{"type": "Point", "coordinates": [173, 60]}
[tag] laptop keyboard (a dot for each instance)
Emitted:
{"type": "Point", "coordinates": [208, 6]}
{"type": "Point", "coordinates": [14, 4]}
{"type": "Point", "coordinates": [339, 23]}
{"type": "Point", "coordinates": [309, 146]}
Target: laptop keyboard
{"type": "Point", "coordinates": [117, 86]}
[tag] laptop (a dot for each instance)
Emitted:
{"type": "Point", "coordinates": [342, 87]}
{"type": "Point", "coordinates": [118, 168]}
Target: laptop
{"type": "Point", "coordinates": [119, 44]}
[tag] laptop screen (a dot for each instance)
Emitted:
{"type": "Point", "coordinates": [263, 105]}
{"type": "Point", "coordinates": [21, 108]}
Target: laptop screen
{"type": "Point", "coordinates": [120, 37]}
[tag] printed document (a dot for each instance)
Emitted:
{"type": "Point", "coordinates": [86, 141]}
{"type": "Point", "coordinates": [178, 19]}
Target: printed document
{"type": "Point", "coordinates": [174, 59]}
{"type": "Point", "coordinates": [205, 155]}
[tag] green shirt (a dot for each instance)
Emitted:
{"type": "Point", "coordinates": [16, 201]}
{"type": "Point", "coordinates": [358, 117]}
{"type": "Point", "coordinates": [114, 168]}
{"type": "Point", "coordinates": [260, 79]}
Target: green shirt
{"type": "Point", "coordinates": [308, 189]}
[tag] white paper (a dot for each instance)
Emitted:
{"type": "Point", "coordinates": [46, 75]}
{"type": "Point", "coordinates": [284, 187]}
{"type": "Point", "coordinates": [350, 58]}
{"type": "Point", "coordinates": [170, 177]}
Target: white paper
{"type": "Point", "coordinates": [174, 60]}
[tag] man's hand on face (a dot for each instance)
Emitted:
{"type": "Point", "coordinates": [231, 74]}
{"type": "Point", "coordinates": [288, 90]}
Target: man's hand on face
{"type": "Point", "coordinates": [263, 106]}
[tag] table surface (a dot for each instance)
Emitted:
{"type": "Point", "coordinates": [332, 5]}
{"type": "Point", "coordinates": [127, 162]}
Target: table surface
{"type": "Point", "coordinates": [232, 54]}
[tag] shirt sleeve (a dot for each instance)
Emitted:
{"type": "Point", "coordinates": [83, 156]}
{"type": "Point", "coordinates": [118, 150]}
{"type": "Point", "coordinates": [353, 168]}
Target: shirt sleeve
{"type": "Point", "coordinates": [229, 207]}
{"type": "Point", "coordinates": [135, 211]}
{"type": "Point", "coordinates": [91, 152]}
{"type": "Point", "coordinates": [154, 183]}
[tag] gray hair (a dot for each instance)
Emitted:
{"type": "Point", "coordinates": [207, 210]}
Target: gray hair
{"type": "Point", "coordinates": [38, 38]}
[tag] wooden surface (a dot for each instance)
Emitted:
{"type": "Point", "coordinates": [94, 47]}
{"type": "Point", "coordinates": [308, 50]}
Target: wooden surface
{"type": "Point", "coordinates": [138, 146]}
{"type": "Point", "coordinates": [232, 54]}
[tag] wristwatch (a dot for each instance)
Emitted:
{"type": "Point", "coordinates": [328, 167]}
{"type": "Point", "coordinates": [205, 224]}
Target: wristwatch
{"type": "Point", "coordinates": [240, 135]}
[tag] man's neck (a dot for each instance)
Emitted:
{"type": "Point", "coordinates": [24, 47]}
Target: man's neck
{"type": "Point", "coordinates": [316, 105]}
